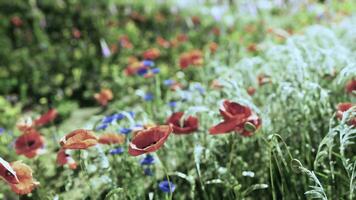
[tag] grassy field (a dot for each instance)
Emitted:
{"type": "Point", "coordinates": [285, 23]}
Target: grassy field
{"type": "Point", "coordinates": [177, 99]}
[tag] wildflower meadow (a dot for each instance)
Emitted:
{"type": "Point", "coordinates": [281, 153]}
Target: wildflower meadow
{"type": "Point", "coordinates": [177, 99]}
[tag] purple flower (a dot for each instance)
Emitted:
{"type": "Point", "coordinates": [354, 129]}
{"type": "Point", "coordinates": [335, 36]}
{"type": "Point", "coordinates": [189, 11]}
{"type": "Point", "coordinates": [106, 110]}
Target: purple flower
{"type": "Point", "coordinates": [148, 96]}
{"type": "Point", "coordinates": [132, 114]}
{"type": "Point", "coordinates": [168, 82]}
{"type": "Point", "coordinates": [108, 119]}
{"type": "Point", "coordinates": [104, 48]}
{"type": "Point", "coordinates": [200, 88]}
{"type": "Point", "coordinates": [172, 104]}
{"type": "Point", "coordinates": [111, 118]}
{"type": "Point", "coordinates": [125, 130]}
{"type": "Point", "coordinates": [2, 130]}
{"type": "Point", "coordinates": [155, 70]}
{"type": "Point", "coordinates": [101, 127]}
{"type": "Point", "coordinates": [118, 150]}
{"type": "Point", "coordinates": [147, 160]}
{"type": "Point", "coordinates": [142, 71]}
{"type": "Point", "coordinates": [148, 63]}
{"type": "Point", "coordinates": [119, 116]}
{"type": "Point", "coordinates": [166, 186]}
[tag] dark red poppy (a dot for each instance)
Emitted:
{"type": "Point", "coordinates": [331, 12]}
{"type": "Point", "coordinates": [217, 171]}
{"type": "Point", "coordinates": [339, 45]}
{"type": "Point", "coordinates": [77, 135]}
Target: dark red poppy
{"type": "Point", "coordinates": [343, 107]}
{"type": "Point", "coordinates": [149, 140]}
{"type": "Point", "coordinates": [29, 143]}
{"type": "Point", "coordinates": [151, 54]}
{"type": "Point", "coordinates": [350, 86]}
{"type": "Point", "coordinates": [7, 172]}
{"type": "Point", "coordinates": [76, 33]}
{"type": "Point", "coordinates": [187, 126]}
{"type": "Point", "coordinates": [16, 21]}
{"type": "Point", "coordinates": [238, 118]}
{"type": "Point", "coordinates": [46, 118]}
{"type": "Point", "coordinates": [63, 158]}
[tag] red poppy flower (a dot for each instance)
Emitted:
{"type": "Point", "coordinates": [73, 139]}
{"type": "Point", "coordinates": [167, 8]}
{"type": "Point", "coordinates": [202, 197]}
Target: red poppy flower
{"type": "Point", "coordinates": [24, 124]}
{"type": "Point", "coordinates": [350, 86]}
{"type": "Point", "coordinates": [76, 33]}
{"type": "Point", "coordinates": [196, 20]}
{"type": "Point", "coordinates": [184, 60]}
{"type": "Point", "coordinates": [137, 16]}
{"type": "Point", "coordinates": [343, 107]}
{"type": "Point", "coordinates": [263, 79]}
{"type": "Point", "coordinates": [111, 138]}
{"type": "Point", "coordinates": [132, 68]}
{"type": "Point", "coordinates": [26, 182]}
{"type": "Point", "coordinates": [125, 42]}
{"type": "Point", "coordinates": [162, 42]}
{"type": "Point", "coordinates": [16, 21]}
{"type": "Point", "coordinates": [182, 38]}
{"type": "Point", "coordinates": [149, 140]}
{"type": "Point", "coordinates": [79, 139]}
{"type": "Point", "coordinates": [213, 46]}
{"type": "Point", "coordinates": [46, 118]}
{"type": "Point", "coordinates": [29, 143]}
{"type": "Point", "coordinates": [7, 173]}
{"type": "Point", "coordinates": [252, 47]}
{"type": "Point", "coordinates": [104, 96]}
{"type": "Point", "coordinates": [237, 118]}
{"type": "Point", "coordinates": [63, 158]}
{"type": "Point", "coordinates": [194, 57]}
{"type": "Point", "coordinates": [189, 125]}
{"type": "Point", "coordinates": [251, 90]}
{"type": "Point", "coordinates": [215, 31]}
{"type": "Point", "coordinates": [151, 54]}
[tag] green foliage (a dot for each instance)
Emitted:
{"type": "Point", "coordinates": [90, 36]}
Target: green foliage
{"type": "Point", "coordinates": [301, 151]}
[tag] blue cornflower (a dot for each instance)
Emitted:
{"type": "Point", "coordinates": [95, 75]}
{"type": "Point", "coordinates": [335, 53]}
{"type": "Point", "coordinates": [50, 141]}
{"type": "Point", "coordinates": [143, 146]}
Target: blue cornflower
{"type": "Point", "coordinates": [200, 88]}
{"type": "Point", "coordinates": [102, 127]}
{"type": "Point", "coordinates": [147, 160]}
{"type": "Point", "coordinates": [167, 186]}
{"type": "Point", "coordinates": [142, 71]}
{"type": "Point", "coordinates": [148, 96]}
{"type": "Point", "coordinates": [172, 104]}
{"type": "Point", "coordinates": [2, 130]}
{"type": "Point", "coordinates": [148, 172]}
{"type": "Point", "coordinates": [119, 116]}
{"type": "Point", "coordinates": [155, 70]}
{"type": "Point", "coordinates": [132, 113]}
{"type": "Point", "coordinates": [118, 150]}
{"type": "Point", "coordinates": [125, 130]}
{"type": "Point", "coordinates": [168, 82]}
{"type": "Point", "coordinates": [148, 63]}
{"type": "Point", "coordinates": [108, 119]}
